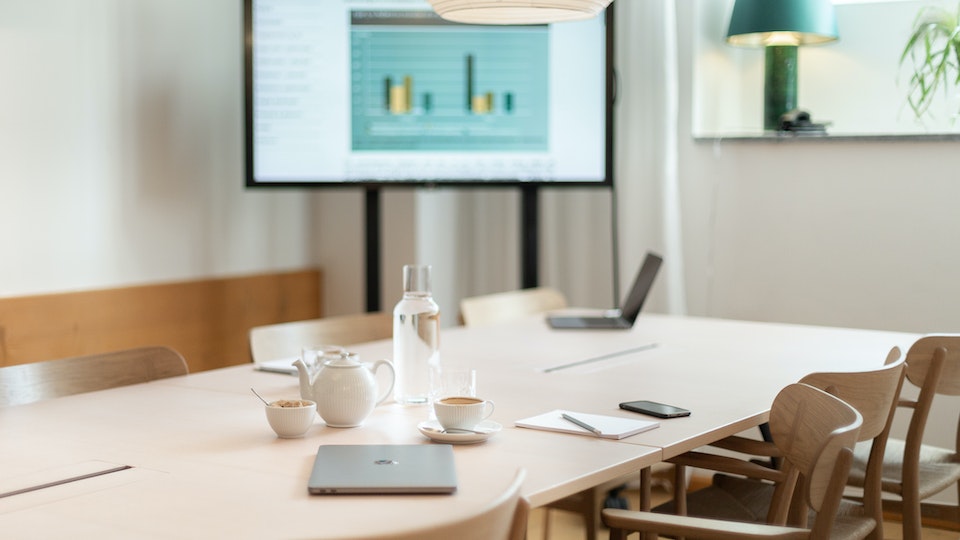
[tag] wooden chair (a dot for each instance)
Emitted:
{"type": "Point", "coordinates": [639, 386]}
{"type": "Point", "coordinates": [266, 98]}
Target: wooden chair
{"type": "Point", "coordinates": [505, 518]}
{"type": "Point", "coordinates": [278, 341]}
{"type": "Point", "coordinates": [511, 305]}
{"type": "Point", "coordinates": [816, 433]}
{"type": "Point", "coordinates": [26, 383]}
{"type": "Point", "coordinates": [913, 471]}
{"type": "Point", "coordinates": [873, 394]}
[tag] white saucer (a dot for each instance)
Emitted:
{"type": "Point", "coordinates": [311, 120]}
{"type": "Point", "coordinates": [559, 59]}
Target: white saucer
{"type": "Point", "coordinates": [432, 429]}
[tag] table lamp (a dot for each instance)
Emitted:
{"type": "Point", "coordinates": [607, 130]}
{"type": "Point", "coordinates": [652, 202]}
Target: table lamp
{"type": "Point", "coordinates": [780, 26]}
{"type": "Point", "coordinates": [517, 11]}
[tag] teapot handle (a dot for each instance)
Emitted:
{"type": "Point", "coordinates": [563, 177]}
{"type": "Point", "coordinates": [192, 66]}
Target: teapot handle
{"type": "Point", "coordinates": [393, 377]}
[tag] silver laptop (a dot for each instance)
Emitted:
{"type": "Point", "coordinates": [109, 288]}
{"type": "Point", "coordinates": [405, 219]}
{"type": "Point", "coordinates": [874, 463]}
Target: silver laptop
{"type": "Point", "coordinates": [623, 318]}
{"type": "Point", "coordinates": [383, 469]}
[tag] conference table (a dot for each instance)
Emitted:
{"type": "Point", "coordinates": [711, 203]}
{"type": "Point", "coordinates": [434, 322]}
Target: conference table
{"type": "Point", "coordinates": [195, 457]}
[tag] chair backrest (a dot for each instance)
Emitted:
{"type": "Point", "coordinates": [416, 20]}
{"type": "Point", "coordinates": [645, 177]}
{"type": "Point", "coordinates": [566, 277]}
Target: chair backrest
{"type": "Point", "coordinates": [284, 340]}
{"type": "Point", "coordinates": [816, 433]}
{"type": "Point", "coordinates": [922, 362]}
{"type": "Point", "coordinates": [26, 383]}
{"type": "Point", "coordinates": [874, 395]}
{"type": "Point", "coordinates": [511, 305]}
{"type": "Point", "coordinates": [505, 518]}
{"type": "Point", "coordinates": [933, 364]}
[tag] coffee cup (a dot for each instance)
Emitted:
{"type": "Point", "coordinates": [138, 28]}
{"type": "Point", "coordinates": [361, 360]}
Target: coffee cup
{"type": "Point", "coordinates": [462, 412]}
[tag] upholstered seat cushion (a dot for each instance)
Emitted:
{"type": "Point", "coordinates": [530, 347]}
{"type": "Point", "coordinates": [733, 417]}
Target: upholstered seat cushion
{"type": "Point", "coordinates": [939, 467]}
{"type": "Point", "coordinates": [735, 498]}
{"type": "Point", "coordinates": [729, 498]}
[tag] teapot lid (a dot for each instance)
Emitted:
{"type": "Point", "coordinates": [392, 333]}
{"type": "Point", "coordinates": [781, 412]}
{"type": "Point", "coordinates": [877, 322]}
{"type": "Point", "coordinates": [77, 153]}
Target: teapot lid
{"type": "Point", "coordinates": [346, 359]}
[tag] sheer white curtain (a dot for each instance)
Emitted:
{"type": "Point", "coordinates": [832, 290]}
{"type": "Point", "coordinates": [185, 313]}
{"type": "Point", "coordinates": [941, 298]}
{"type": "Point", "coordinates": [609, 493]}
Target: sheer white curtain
{"type": "Point", "coordinates": [472, 236]}
{"type": "Point", "coordinates": [647, 145]}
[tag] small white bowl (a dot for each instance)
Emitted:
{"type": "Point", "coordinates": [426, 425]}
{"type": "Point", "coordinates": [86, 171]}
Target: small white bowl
{"type": "Point", "coordinates": [291, 422]}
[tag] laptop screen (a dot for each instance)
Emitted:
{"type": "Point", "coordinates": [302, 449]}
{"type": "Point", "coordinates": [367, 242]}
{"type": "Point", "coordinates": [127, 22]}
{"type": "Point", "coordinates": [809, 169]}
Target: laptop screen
{"type": "Point", "coordinates": [641, 286]}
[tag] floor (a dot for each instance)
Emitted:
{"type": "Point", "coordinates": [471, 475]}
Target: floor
{"type": "Point", "coordinates": [568, 526]}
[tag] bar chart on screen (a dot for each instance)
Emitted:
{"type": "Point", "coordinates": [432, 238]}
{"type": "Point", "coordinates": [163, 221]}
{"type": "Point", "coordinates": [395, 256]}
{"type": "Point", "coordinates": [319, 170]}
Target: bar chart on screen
{"type": "Point", "coordinates": [421, 83]}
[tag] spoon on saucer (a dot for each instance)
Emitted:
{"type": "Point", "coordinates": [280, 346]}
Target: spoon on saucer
{"type": "Point", "coordinates": [454, 431]}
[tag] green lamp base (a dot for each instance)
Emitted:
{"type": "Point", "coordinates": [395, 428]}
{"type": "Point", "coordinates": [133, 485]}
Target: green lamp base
{"type": "Point", "coordinates": [779, 85]}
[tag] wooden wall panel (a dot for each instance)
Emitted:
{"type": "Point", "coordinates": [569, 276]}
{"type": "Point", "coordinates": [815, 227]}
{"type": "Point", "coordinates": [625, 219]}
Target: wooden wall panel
{"type": "Point", "coordinates": [207, 321]}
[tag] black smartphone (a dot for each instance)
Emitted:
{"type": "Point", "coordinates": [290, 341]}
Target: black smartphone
{"type": "Point", "coordinates": [654, 409]}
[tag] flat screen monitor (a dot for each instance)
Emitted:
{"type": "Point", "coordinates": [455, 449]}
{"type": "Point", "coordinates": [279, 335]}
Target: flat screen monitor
{"type": "Point", "coordinates": [346, 92]}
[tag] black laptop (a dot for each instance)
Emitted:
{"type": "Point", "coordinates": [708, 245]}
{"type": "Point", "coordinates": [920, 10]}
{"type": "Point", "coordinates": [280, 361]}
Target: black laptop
{"type": "Point", "coordinates": [623, 318]}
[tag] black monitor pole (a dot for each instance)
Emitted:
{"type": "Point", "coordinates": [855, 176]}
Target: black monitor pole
{"type": "Point", "coordinates": [372, 233]}
{"type": "Point", "coordinates": [529, 236]}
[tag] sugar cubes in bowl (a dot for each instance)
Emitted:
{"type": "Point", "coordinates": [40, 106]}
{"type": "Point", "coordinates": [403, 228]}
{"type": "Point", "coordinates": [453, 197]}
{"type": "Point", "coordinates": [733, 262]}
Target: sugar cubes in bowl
{"type": "Point", "coordinates": [291, 418]}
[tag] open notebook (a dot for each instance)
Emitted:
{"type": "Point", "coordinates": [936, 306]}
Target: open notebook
{"type": "Point", "coordinates": [611, 427]}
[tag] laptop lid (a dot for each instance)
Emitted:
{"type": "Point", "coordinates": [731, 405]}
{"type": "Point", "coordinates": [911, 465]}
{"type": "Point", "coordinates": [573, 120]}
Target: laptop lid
{"type": "Point", "coordinates": [383, 469]}
{"type": "Point", "coordinates": [641, 287]}
{"type": "Point", "coordinates": [620, 319]}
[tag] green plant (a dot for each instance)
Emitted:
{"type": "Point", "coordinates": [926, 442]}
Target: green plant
{"type": "Point", "coordinates": [934, 52]}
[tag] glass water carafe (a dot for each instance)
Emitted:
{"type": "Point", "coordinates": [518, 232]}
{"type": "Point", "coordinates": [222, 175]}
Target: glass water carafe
{"type": "Point", "coordinates": [416, 337]}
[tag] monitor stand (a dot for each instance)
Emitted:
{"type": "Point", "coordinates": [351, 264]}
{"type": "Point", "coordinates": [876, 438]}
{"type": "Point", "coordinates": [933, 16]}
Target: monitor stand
{"type": "Point", "coordinates": [529, 242]}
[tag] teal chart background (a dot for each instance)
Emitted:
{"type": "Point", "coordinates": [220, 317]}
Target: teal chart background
{"type": "Point", "coordinates": [420, 83]}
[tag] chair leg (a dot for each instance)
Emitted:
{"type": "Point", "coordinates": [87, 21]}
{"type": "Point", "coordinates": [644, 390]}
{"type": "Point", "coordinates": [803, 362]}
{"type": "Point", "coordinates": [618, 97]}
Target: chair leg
{"type": "Point", "coordinates": [591, 514]}
{"type": "Point", "coordinates": [546, 524]}
{"type": "Point", "coordinates": [911, 516]}
{"type": "Point", "coordinates": [680, 489]}
{"type": "Point", "coordinates": [646, 479]}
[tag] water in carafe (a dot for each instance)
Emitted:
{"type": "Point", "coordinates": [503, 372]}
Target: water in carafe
{"type": "Point", "coordinates": [416, 337]}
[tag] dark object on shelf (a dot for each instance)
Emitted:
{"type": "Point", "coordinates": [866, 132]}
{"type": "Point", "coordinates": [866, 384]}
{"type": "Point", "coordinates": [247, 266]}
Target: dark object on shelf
{"type": "Point", "coordinates": [797, 121]}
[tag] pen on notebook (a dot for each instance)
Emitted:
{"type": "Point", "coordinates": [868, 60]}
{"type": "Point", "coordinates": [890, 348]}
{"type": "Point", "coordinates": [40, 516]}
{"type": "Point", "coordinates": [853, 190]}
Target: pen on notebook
{"type": "Point", "coordinates": [580, 423]}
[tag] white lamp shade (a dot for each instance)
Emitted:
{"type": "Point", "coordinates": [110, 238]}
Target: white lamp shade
{"type": "Point", "coordinates": [517, 11]}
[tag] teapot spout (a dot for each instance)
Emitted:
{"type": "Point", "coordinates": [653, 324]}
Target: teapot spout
{"type": "Point", "coordinates": [306, 387]}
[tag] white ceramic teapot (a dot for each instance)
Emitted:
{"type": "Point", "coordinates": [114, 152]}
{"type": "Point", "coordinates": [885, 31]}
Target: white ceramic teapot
{"type": "Point", "coordinates": [345, 390]}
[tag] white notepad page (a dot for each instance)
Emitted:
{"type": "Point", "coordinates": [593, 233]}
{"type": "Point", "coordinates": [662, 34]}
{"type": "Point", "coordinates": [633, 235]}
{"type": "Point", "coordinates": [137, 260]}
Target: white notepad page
{"type": "Point", "coordinates": [611, 427]}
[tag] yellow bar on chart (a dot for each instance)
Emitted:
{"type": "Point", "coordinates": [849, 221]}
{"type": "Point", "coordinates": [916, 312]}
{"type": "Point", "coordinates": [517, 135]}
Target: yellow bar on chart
{"type": "Point", "coordinates": [480, 104]}
{"type": "Point", "coordinates": [398, 99]}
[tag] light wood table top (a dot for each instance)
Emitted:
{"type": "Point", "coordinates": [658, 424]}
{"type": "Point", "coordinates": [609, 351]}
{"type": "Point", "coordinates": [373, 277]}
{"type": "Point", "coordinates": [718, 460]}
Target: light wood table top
{"type": "Point", "coordinates": [205, 462]}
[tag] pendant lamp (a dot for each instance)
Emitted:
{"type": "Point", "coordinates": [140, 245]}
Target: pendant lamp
{"type": "Point", "coordinates": [517, 11]}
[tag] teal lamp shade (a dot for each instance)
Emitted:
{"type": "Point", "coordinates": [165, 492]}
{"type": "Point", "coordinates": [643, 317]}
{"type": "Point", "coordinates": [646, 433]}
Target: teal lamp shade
{"type": "Point", "coordinates": [781, 26]}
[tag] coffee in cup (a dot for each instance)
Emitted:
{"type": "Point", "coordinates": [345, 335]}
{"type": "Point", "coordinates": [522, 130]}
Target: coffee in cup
{"type": "Point", "coordinates": [462, 412]}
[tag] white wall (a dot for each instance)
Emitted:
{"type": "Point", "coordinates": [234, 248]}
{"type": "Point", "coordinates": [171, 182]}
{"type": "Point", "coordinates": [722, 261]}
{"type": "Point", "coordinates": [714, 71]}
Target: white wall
{"type": "Point", "coordinates": [837, 232]}
{"type": "Point", "coordinates": [120, 130]}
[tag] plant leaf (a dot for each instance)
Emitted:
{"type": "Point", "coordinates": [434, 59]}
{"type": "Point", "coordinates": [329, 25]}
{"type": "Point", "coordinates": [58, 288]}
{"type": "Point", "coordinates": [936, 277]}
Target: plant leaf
{"type": "Point", "coordinates": [933, 50]}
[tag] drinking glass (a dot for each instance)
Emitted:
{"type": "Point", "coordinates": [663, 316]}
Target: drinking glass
{"type": "Point", "coordinates": [448, 382]}
{"type": "Point", "coordinates": [314, 356]}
